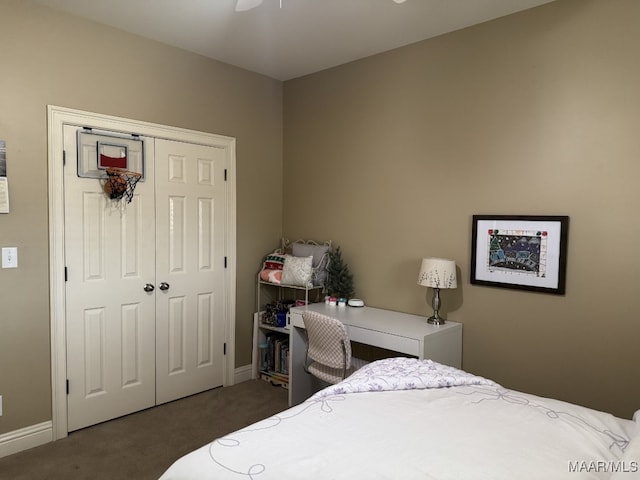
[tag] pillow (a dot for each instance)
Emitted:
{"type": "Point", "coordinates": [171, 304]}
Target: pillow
{"type": "Point", "coordinates": [271, 276]}
{"type": "Point", "coordinates": [272, 268]}
{"type": "Point", "coordinates": [305, 249]}
{"type": "Point", "coordinates": [297, 271]}
{"type": "Point", "coordinates": [273, 261]}
{"type": "Point", "coordinates": [629, 460]}
{"type": "Point", "coordinates": [320, 255]}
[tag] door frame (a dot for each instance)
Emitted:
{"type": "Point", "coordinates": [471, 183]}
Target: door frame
{"type": "Point", "coordinates": [57, 117]}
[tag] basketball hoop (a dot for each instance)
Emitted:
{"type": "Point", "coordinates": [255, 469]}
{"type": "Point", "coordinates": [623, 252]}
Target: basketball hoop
{"type": "Point", "coordinates": [120, 183]}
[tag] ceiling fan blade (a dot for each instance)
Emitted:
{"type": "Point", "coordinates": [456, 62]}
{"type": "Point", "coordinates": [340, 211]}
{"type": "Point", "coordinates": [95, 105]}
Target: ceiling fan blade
{"type": "Point", "coordinates": [244, 5]}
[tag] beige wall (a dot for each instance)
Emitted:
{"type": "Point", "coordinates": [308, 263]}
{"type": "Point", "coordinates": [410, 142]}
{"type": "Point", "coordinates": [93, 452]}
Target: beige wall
{"type": "Point", "coordinates": [531, 114]}
{"type": "Point", "coordinates": [536, 113]}
{"type": "Point", "coordinates": [52, 58]}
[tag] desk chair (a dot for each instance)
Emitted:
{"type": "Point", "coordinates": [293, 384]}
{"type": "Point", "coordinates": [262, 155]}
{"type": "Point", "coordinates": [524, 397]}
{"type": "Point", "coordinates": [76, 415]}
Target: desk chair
{"type": "Point", "coordinates": [328, 349]}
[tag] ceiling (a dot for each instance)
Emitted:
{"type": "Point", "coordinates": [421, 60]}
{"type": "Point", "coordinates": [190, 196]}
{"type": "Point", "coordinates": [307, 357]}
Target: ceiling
{"type": "Point", "coordinates": [299, 38]}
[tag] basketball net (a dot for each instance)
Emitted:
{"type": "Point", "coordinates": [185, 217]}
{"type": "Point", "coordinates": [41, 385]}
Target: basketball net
{"type": "Point", "coordinates": [120, 183]}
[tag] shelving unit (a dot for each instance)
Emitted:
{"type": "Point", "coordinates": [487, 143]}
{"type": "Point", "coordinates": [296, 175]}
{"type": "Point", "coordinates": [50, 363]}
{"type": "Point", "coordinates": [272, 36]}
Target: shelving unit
{"type": "Point", "coordinates": [272, 337]}
{"type": "Point", "coordinates": [270, 352]}
{"type": "Point", "coordinates": [280, 289]}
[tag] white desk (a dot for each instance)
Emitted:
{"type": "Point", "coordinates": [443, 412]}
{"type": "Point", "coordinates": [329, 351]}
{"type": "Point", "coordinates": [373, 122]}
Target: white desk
{"type": "Point", "coordinates": [400, 332]}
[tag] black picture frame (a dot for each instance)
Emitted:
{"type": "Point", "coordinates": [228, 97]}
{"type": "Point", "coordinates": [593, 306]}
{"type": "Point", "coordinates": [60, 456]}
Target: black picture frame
{"type": "Point", "coordinates": [524, 252]}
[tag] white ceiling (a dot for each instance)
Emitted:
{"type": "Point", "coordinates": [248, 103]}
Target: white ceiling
{"type": "Point", "coordinates": [302, 37]}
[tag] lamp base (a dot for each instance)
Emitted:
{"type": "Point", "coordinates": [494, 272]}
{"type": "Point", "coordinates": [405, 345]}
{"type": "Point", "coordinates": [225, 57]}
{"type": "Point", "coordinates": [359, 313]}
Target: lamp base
{"type": "Point", "coordinates": [435, 319]}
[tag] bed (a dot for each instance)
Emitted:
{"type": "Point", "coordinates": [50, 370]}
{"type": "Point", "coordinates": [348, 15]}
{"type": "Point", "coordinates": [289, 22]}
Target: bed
{"type": "Point", "coordinates": [406, 419]}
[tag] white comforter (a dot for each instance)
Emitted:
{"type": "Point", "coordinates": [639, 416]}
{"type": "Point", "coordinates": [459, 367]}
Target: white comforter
{"type": "Point", "coordinates": [408, 419]}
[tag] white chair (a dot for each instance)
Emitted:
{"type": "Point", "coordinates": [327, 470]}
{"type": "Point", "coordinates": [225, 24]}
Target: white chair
{"type": "Point", "coordinates": [328, 349]}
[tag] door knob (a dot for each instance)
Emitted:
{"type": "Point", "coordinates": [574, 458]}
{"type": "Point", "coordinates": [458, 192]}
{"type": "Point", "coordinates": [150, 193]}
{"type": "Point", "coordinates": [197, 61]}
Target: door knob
{"type": "Point", "coordinates": [164, 286]}
{"type": "Point", "coordinates": [149, 287]}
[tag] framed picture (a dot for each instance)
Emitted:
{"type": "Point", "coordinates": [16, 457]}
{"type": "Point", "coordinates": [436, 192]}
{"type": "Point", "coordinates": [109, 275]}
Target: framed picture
{"type": "Point", "coordinates": [526, 252]}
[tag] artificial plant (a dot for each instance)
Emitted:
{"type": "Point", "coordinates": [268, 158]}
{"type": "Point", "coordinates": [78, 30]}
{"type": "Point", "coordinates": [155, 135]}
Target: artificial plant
{"type": "Point", "coordinates": [339, 278]}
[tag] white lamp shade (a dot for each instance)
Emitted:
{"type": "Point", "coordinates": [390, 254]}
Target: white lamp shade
{"type": "Point", "coordinates": [437, 273]}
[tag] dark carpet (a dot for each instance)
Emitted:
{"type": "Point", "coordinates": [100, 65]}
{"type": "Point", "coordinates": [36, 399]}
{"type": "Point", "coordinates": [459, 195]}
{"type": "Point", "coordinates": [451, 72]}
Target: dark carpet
{"type": "Point", "coordinates": [143, 445]}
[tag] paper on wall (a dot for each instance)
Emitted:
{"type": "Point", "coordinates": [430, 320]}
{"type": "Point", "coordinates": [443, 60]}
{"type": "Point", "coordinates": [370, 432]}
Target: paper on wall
{"type": "Point", "coordinates": [4, 195]}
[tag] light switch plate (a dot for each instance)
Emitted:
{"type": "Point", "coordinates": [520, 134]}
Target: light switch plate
{"type": "Point", "coordinates": [9, 257]}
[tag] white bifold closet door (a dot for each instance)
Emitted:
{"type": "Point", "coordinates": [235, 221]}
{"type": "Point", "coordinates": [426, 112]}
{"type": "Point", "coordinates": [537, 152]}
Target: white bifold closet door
{"type": "Point", "coordinates": [190, 209]}
{"type": "Point", "coordinates": [144, 290]}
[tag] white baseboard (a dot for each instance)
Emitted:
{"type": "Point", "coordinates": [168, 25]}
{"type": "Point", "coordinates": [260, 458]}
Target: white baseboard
{"type": "Point", "coordinates": [36, 435]}
{"type": "Point", "coordinates": [242, 374]}
{"type": "Point", "coordinates": [25, 438]}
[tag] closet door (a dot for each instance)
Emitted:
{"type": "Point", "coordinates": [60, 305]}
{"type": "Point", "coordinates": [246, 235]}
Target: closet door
{"type": "Point", "coordinates": [145, 299]}
{"type": "Point", "coordinates": [110, 318]}
{"type": "Point", "coordinates": [190, 222]}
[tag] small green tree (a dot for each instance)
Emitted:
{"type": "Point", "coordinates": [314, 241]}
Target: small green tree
{"type": "Point", "coordinates": [340, 279]}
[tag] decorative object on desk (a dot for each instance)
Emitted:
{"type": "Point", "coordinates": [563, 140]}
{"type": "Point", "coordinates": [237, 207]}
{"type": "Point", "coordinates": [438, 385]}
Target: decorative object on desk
{"type": "Point", "coordinates": [340, 279]}
{"type": "Point", "coordinates": [356, 302]}
{"type": "Point", "coordinates": [437, 273]}
{"type": "Point", "coordinates": [526, 252]}
{"type": "Point", "coordinates": [342, 302]}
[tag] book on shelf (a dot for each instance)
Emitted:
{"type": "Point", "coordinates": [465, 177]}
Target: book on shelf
{"type": "Point", "coordinates": [274, 379]}
{"type": "Point", "coordinates": [277, 353]}
{"type": "Point", "coordinates": [278, 375]}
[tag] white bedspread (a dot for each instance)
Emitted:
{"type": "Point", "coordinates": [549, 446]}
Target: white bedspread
{"type": "Point", "coordinates": [404, 420]}
{"type": "Point", "coordinates": [402, 374]}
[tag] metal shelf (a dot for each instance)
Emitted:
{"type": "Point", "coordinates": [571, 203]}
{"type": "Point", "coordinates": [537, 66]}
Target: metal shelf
{"type": "Point", "coordinates": [281, 287]}
{"type": "Point", "coordinates": [273, 328]}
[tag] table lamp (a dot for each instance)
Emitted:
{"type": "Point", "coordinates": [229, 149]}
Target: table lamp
{"type": "Point", "coordinates": [437, 273]}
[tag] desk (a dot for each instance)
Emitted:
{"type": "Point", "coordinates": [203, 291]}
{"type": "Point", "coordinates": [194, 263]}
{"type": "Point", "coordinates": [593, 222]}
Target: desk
{"type": "Point", "coordinates": [400, 332]}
